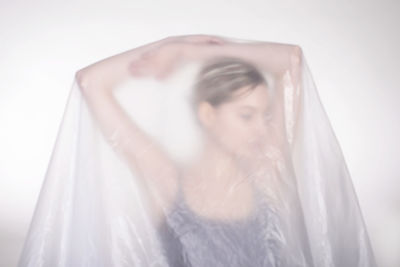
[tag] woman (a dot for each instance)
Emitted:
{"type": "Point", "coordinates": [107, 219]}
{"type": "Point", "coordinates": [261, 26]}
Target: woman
{"type": "Point", "coordinates": [267, 185]}
{"type": "Point", "coordinates": [200, 222]}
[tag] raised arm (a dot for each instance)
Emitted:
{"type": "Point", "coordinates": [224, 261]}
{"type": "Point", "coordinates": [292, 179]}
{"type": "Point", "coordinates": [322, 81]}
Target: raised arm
{"type": "Point", "coordinates": [142, 154]}
{"type": "Point", "coordinates": [274, 58]}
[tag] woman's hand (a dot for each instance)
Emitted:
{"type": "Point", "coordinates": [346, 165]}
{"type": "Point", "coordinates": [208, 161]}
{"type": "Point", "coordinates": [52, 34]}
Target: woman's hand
{"type": "Point", "coordinates": [167, 54]}
{"type": "Point", "coordinates": [158, 62]}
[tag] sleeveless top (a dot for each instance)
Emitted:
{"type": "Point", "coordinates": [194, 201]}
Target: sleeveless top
{"type": "Point", "coordinates": [190, 240]}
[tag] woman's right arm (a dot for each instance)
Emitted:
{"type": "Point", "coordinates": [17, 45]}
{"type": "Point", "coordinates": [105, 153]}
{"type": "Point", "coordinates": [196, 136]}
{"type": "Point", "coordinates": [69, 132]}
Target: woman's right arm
{"type": "Point", "coordinates": [142, 154]}
{"type": "Point", "coordinates": [97, 81]}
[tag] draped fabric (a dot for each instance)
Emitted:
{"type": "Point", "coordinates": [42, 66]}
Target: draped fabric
{"type": "Point", "coordinates": [171, 166]}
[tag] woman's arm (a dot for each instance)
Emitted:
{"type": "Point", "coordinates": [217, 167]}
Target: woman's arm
{"type": "Point", "coordinates": [97, 82]}
{"type": "Point", "coordinates": [156, 172]}
{"type": "Point", "coordinates": [142, 154]}
{"type": "Point", "coordinates": [113, 70]}
{"type": "Point", "coordinates": [274, 58]}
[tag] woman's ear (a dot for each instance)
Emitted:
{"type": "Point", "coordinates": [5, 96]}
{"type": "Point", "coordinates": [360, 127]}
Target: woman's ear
{"type": "Point", "coordinates": [206, 113]}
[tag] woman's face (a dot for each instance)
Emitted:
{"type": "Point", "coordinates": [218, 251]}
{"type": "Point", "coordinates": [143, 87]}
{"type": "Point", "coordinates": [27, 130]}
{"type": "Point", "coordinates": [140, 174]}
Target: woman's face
{"type": "Point", "coordinates": [240, 126]}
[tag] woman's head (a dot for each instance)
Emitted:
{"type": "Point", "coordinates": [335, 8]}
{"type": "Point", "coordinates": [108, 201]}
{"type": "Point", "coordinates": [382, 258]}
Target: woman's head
{"type": "Point", "coordinates": [232, 100]}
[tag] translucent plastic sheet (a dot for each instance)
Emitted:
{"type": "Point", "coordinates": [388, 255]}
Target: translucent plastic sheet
{"type": "Point", "coordinates": [197, 151]}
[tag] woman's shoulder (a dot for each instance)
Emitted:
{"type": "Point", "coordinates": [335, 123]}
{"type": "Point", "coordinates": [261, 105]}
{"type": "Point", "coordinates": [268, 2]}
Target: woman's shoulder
{"type": "Point", "coordinates": [163, 196]}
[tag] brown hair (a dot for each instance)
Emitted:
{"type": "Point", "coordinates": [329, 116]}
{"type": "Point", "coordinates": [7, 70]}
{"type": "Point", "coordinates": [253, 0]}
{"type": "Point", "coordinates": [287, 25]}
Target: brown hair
{"type": "Point", "coordinates": [221, 76]}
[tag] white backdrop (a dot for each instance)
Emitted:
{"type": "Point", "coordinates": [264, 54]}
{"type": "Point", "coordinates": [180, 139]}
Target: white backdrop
{"type": "Point", "coordinates": [350, 46]}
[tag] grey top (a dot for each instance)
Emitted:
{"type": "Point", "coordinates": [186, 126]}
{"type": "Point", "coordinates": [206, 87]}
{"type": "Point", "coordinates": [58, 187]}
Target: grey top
{"type": "Point", "coordinates": [190, 240]}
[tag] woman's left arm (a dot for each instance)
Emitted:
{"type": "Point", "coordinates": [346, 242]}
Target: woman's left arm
{"type": "Point", "coordinates": [274, 58]}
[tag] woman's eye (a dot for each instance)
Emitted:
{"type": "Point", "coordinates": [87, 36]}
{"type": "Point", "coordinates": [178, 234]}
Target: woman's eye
{"type": "Point", "coordinates": [245, 116]}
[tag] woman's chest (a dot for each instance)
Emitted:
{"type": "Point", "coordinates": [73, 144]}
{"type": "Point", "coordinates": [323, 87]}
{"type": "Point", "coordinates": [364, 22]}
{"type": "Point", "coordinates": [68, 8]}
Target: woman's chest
{"type": "Point", "coordinates": [201, 241]}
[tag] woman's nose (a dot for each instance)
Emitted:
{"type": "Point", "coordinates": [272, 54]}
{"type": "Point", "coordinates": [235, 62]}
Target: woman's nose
{"type": "Point", "coordinates": [259, 134]}
{"type": "Point", "coordinates": [261, 127]}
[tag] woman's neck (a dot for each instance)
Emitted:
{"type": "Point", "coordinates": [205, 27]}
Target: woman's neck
{"type": "Point", "coordinates": [214, 166]}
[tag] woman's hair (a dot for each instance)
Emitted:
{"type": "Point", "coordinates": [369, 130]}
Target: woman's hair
{"type": "Point", "coordinates": [220, 77]}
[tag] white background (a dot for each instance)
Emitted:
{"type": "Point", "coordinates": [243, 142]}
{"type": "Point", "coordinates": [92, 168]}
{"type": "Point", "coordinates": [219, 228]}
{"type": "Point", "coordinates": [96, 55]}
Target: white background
{"type": "Point", "coordinates": [351, 48]}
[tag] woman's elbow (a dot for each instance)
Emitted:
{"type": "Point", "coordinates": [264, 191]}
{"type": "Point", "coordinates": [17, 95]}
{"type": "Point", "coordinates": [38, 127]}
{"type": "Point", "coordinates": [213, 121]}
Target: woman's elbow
{"type": "Point", "coordinates": [82, 80]}
{"type": "Point", "coordinates": [296, 55]}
